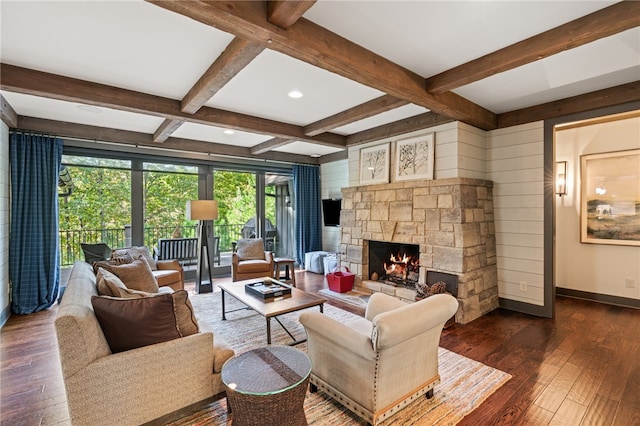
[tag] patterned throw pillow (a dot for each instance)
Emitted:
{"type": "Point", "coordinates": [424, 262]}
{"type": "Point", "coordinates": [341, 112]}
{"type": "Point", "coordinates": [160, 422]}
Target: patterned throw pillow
{"type": "Point", "coordinates": [251, 249]}
{"type": "Point", "coordinates": [136, 252]}
{"type": "Point", "coordinates": [133, 323]}
{"type": "Point", "coordinates": [136, 275]}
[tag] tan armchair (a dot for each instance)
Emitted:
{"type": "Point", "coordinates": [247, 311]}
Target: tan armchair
{"type": "Point", "coordinates": [250, 260]}
{"type": "Point", "coordinates": [377, 365]}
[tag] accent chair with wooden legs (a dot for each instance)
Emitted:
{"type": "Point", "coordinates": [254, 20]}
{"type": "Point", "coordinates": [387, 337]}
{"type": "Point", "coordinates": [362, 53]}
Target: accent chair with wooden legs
{"type": "Point", "coordinates": [376, 365]}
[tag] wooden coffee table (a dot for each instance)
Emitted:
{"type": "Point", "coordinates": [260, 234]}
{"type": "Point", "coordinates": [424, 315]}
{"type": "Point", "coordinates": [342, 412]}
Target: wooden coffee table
{"type": "Point", "coordinates": [270, 308]}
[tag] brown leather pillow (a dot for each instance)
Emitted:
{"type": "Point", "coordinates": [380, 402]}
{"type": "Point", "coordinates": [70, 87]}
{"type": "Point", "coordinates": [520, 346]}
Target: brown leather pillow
{"type": "Point", "coordinates": [136, 275]}
{"type": "Point", "coordinates": [133, 323]}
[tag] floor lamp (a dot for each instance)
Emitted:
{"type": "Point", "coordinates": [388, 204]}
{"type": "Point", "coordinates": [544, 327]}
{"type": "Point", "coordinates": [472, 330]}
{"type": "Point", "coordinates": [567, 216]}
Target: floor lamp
{"type": "Point", "coordinates": [206, 211]}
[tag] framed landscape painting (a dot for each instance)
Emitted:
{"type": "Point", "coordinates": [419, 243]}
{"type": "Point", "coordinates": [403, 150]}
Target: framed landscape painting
{"type": "Point", "coordinates": [374, 165]}
{"type": "Point", "coordinates": [610, 198]}
{"type": "Point", "coordinates": [414, 158]}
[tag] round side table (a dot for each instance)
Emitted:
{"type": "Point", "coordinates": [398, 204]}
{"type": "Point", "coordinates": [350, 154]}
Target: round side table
{"type": "Point", "coordinates": [267, 386]}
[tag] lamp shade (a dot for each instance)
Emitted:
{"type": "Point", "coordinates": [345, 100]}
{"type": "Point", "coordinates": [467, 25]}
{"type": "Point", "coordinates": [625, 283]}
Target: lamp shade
{"type": "Point", "coordinates": [202, 210]}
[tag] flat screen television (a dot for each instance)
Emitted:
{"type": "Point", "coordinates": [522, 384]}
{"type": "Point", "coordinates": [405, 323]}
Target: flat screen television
{"type": "Point", "coordinates": [331, 211]}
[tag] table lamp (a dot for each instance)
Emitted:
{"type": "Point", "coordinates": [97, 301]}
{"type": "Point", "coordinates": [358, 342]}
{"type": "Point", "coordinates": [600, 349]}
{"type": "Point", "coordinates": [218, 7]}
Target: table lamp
{"type": "Point", "coordinates": [205, 211]}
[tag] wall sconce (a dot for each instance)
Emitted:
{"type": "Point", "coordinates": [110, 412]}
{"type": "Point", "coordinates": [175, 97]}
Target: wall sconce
{"type": "Point", "coordinates": [561, 178]}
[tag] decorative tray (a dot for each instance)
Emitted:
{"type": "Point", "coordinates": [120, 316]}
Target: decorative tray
{"type": "Point", "coordinates": [267, 290]}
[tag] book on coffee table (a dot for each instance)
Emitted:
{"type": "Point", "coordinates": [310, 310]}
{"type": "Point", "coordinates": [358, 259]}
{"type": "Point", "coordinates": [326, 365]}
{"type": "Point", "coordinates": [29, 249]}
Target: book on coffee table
{"type": "Point", "coordinates": [268, 289]}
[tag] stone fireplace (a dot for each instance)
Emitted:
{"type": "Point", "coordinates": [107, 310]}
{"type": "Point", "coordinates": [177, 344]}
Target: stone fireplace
{"type": "Point", "coordinates": [448, 221]}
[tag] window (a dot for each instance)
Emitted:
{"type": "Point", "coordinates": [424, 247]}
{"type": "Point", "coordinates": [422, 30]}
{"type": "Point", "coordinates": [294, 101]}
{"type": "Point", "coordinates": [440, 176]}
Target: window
{"type": "Point", "coordinates": [167, 188]}
{"type": "Point", "coordinates": [99, 209]}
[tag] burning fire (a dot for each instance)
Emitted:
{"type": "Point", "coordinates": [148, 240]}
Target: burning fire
{"type": "Point", "coordinates": [401, 265]}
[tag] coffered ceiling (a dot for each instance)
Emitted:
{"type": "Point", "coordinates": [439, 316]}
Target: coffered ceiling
{"type": "Point", "coordinates": [178, 74]}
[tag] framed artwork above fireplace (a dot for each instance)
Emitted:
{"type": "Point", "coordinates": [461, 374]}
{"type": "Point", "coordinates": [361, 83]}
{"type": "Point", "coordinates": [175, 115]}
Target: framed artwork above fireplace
{"type": "Point", "coordinates": [414, 158]}
{"type": "Point", "coordinates": [374, 164]}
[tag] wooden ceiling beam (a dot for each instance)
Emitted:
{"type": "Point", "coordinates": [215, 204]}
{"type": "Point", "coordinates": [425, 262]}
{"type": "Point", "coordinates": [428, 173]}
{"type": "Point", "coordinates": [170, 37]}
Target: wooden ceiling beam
{"type": "Point", "coordinates": [7, 113]}
{"type": "Point", "coordinates": [37, 83]}
{"type": "Point", "coordinates": [622, 94]}
{"type": "Point", "coordinates": [269, 145]}
{"type": "Point", "coordinates": [138, 139]}
{"type": "Point", "coordinates": [166, 129]}
{"type": "Point", "coordinates": [238, 54]}
{"type": "Point", "coordinates": [313, 44]}
{"type": "Point", "coordinates": [286, 13]}
{"type": "Point", "coordinates": [603, 23]}
{"type": "Point", "coordinates": [400, 127]}
{"type": "Point", "coordinates": [360, 112]}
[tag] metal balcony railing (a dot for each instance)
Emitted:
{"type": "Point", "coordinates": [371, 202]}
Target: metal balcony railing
{"type": "Point", "coordinates": [70, 240]}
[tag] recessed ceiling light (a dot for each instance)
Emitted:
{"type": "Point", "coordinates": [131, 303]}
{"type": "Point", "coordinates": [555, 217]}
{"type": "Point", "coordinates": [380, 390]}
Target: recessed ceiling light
{"type": "Point", "coordinates": [315, 155]}
{"type": "Point", "coordinates": [295, 94]}
{"type": "Point", "coordinates": [89, 108]}
{"type": "Point", "coordinates": [228, 132]}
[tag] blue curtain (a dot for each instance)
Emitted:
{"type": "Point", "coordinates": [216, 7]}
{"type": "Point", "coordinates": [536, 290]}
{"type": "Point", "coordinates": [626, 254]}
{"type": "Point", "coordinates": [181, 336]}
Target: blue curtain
{"type": "Point", "coordinates": [306, 189]}
{"type": "Point", "coordinates": [33, 243]}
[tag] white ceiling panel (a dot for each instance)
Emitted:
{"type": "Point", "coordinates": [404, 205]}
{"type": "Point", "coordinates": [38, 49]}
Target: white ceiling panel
{"type": "Point", "coordinates": [129, 44]}
{"type": "Point", "coordinates": [429, 37]}
{"type": "Point", "coordinates": [261, 89]}
{"type": "Point", "coordinates": [201, 132]}
{"type": "Point", "coordinates": [306, 148]}
{"type": "Point", "coordinates": [381, 119]}
{"type": "Point", "coordinates": [52, 109]}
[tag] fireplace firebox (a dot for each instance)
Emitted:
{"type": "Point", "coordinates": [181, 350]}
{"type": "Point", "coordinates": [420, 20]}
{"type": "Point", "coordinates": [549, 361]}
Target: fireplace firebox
{"type": "Point", "coordinates": [397, 264]}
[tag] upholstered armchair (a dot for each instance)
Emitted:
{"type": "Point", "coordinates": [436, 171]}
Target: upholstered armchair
{"type": "Point", "coordinates": [250, 260]}
{"type": "Point", "coordinates": [377, 365]}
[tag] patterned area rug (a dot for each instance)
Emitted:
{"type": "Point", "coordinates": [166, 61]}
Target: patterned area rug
{"type": "Point", "coordinates": [465, 383]}
{"type": "Point", "coordinates": [354, 298]}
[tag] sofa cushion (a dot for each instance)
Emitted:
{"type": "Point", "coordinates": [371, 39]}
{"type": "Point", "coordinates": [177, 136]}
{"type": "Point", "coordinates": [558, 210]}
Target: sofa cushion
{"type": "Point", "coordinates": [132, 323]}
{"type": "Point", "coordinates": [251, 249]}
{"type": "Point", "coordinates": [136, 252]}
{"type": "Point", "coordinates": [136, 275]}
{"type": "Point", "coordinates": [109, 284]}
{"type": "Point", "coordinates": [254, 266]}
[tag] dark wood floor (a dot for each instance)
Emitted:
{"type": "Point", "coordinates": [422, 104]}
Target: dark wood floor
{"type": "Point", "coordinates": [582, 368]}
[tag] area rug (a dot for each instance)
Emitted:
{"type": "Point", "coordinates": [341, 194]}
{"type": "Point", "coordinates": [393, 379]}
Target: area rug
{"type": "Point", "coordinates": [464, 385]}
{"type": "Point", "coordinates": [352, 297]}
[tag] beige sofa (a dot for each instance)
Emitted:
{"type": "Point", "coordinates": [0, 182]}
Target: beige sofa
{"type": "Point", "coordinates": [135, 386]}
{"type": "Point", "coordinates": [377, 365]}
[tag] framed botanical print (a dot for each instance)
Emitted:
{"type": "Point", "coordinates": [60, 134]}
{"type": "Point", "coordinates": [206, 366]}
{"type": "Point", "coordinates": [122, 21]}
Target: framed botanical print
{"type": "Point", "coordinates": [414, 158]}
{"type": "Point", "coordinates": [374, 164]}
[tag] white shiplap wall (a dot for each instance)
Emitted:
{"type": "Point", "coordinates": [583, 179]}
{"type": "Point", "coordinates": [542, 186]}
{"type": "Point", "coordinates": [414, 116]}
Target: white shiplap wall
{"type": "Point", "coordinates": [459, 152]}
{"type": "Point", "coordinates": [333, 177]}
{"type": "Point", "coordinates": [4, 221]}
{"type": "Point", "coordinates": [515, 164]}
